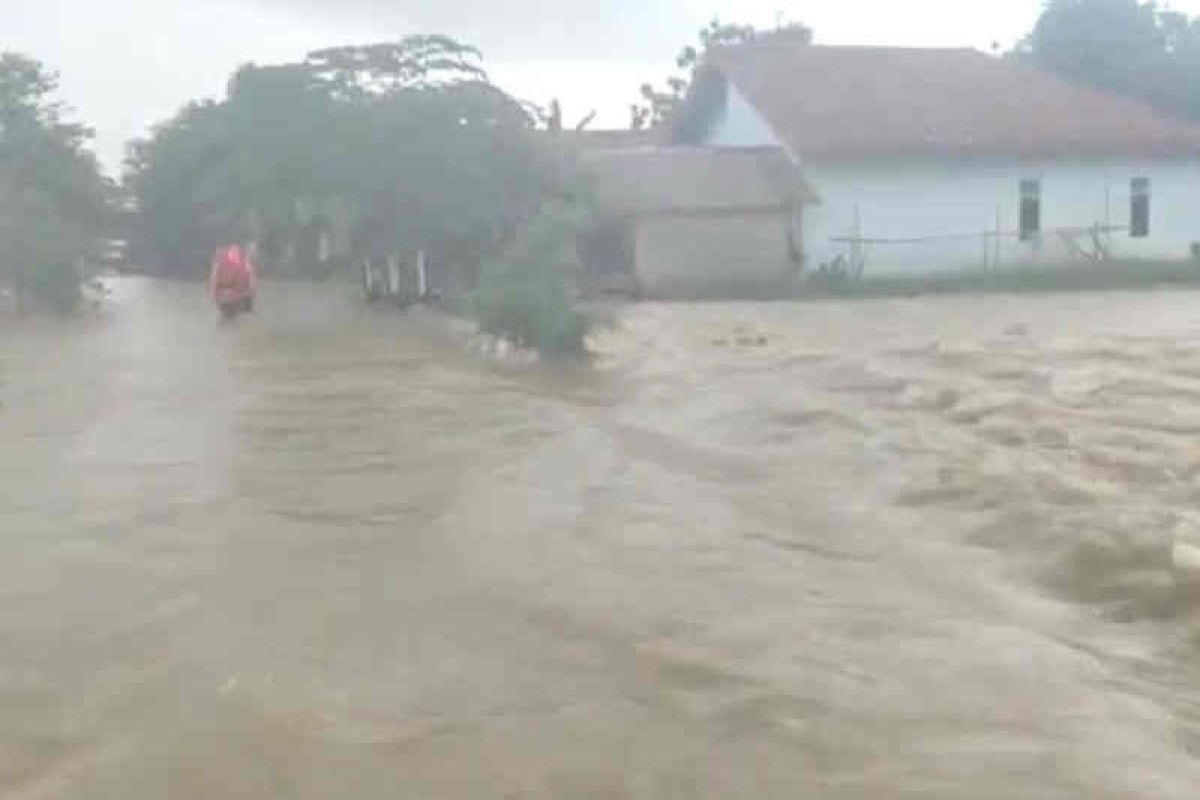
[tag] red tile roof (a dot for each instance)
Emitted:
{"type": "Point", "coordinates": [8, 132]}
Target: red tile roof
{"type": "Point", "coordinates": [850, 102]}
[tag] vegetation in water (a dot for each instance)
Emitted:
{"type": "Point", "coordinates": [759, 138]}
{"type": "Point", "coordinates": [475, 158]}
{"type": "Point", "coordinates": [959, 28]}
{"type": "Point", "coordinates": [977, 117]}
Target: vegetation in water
{"type": "Point", "coordinates": [527, 294]}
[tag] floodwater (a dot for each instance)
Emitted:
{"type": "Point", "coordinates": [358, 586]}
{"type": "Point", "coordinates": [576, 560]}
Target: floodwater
{"type": "Point", "coordinates": [903, 549]}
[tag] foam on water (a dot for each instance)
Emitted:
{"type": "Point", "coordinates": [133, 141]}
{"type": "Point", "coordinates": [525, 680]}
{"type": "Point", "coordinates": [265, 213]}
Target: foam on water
{"type": "Point", "coordinates": [920, 548]}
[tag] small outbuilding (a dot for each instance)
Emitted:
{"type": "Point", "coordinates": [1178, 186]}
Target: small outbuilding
{"type": "Point", "coordinates": [696, 221]}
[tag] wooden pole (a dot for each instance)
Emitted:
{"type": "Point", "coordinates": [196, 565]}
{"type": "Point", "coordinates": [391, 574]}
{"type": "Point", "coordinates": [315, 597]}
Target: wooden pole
{"type": "Point", "coordinates": [393, 263]}
{"type": "Point", "coordinates": [999, 230]}
{"type": "Point", "coordinates": [856, 256]}
{"type": "Point", "coordinates": [1108, 213]}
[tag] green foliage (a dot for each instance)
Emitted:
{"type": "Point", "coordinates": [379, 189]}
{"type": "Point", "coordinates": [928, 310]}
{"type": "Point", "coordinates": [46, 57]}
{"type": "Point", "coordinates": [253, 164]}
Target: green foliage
{"type": "Point", "coordinates": [417, 61]}
{"type": "Point", "coordinates": [405, 144]}
{"type": "Point", "coordinates": [54, 201]}
{"type": "Point", "coordinates": [658, 106]}
{"type": "Point", "coordinates": [1139, 49]}
{"type": "Point", "coordinates": [56, 286]}
{"type": "Point", "coordinates": [450, 170]}
{"type": "Point", "coordinates": [182, 180]}
{"type": "Point", "coordinates": [525, 296]}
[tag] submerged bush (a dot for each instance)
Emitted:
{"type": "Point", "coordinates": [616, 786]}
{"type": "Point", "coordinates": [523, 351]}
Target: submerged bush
{"type": "Point", "coordinates": [526, 296]}
{"type": "Point", "coordinates": [56, 287]}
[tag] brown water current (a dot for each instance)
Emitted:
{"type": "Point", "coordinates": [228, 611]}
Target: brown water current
{"type": "Point", "coordinates": [897, 549]}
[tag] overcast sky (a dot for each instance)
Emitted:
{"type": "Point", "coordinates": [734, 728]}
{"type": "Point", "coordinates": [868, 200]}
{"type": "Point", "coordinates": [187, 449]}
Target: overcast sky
{"type": "Point", "coordinates": [128, 63]}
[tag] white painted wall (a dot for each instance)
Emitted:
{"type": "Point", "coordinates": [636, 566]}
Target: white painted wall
{"type": "Point", "coordinates": [740, 125]}
{"type": "Point", "coordinates": [954, 202]}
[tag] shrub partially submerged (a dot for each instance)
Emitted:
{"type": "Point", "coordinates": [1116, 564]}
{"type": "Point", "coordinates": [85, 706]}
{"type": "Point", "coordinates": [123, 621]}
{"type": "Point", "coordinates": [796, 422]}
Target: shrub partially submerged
{"type": "Point", "coordinates": [526, 296]}
{"type": "Point", "coordinates": [56, 287]}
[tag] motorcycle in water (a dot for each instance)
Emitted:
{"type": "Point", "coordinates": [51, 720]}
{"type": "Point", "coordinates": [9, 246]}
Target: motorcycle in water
{"type": "Point", "coordinates": [232, 282]}
{"type": "Point", "coordinates": [234, 302]}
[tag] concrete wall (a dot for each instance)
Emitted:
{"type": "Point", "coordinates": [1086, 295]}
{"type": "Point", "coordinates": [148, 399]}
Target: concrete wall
{"type": "Point", "coordinates": [951, 204]}
{"type": "Point", "coordinates": [711, 255]}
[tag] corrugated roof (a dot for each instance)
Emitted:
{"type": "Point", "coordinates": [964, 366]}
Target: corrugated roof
{"type": "Point", "coordinates": [695, 179]}
{"type": "Point", "coordinates": [879, 101]}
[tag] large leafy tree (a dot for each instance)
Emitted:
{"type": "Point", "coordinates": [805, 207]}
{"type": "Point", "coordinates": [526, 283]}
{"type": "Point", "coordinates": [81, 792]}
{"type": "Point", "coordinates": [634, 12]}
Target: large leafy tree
{"type": "Point", "coordinates": [407, 139]}
{"type": "Point", "coordinates": [224, 171]}
{"type": "Point", "coordinates": [1131, 47]}
{"type": "Point", "coordinates": [419, 61]}
{"type": "Point", "coordinates": [449, 170]}
{"type": "Point", "coordinates": [53, 196]}
{"type": "Point", "coordinates": [183, 181]}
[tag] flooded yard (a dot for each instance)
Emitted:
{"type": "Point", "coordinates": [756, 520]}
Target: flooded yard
{"type": "Point", "coordinates": [909, 548]}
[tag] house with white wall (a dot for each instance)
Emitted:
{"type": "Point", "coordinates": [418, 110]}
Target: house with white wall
{"type": "Point", "coordinates": [934, 160]}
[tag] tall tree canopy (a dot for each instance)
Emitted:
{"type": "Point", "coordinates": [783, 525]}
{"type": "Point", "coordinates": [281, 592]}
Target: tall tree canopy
{"type": "Point", "coordinates": [407, 139]}
{"type": "Point", "coordinates": [185, 188]}
{"type": "Point", "coordinates": [1135, 48]}
{"type": "Point", "coordinates": [54, 200]}
{"type": "Point", "coordinates": [659, 104]}
{"type": "Point", "coordinates": [423, 60]}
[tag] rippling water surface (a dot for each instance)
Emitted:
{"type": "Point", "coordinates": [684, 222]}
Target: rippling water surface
{"type": "Point", "coordinates": [913, 548]}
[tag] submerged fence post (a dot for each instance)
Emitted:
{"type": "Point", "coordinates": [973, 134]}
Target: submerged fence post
{"type": "Point", "coordinates": [857, 260]}
{"type": "Point", "coordinates": [422, 275]}
{"type": "Point", "coordinates": [999, 233]}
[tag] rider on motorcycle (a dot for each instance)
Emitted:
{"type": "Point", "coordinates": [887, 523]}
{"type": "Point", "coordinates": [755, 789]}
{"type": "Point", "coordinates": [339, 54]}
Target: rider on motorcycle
{"type": "Point", "coordinates": [233, 281]}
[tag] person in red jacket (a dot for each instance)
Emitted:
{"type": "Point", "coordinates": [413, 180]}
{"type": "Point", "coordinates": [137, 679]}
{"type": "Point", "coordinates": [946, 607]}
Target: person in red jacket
{"type": "Point", "coordinates": [233, 281]}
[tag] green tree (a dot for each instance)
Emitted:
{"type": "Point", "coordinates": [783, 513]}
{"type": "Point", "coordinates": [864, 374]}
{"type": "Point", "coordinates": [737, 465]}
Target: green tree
{"type": "Point", "coordinates": [282, 128]}
{"type": "Point", "coordinates": [184, 186]}
{"type": "Point", "coordinates": [450, 170]}
{"type": "Point", "coordinates": [416, 61]}
{"type": "Point", "coordinates": [408, 139]}
{"type": "Point", "coordinates": [1134, 48]}
{"type": "Point", "coordinates": [659, 104]}
{"type": "Point", "coordinates": [525, 293]}
{"type": "Point", "coordinates": [54, 200]}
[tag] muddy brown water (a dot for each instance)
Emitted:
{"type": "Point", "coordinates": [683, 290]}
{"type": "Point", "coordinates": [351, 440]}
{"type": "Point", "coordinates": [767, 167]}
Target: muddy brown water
{"type": "Point", "coordinates": [914, 548]}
